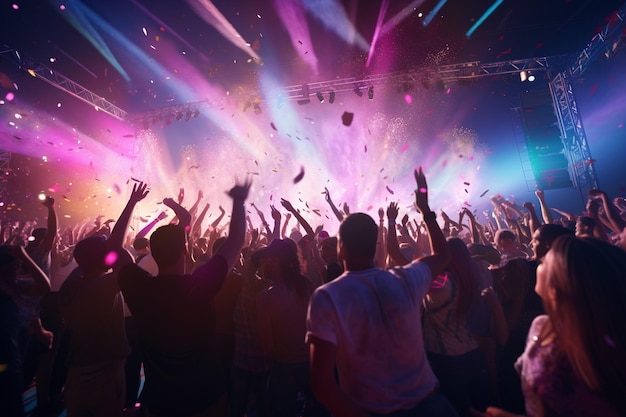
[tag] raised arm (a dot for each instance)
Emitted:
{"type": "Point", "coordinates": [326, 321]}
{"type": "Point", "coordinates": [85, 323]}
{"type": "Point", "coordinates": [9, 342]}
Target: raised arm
{"type": "Point", "coordinates": [545, 210]}
{"type": "Point", "coordinates": [393, 248]}
{"type": "Point", "coordinates": [616, 223]}
{"type": "Point", "coordinates": [51, 228]}
{"type": "Point", "coordinates": [196, 229]}
{"type": "Point", "coordinates": [183, 216]}
{"type": "Point", "coordinates": [276, 216]}
{"type": "Point", "coordinates": [231, 248]}
{"type": "Point", "coordinates": [438, 261]}
{"type": "Point", "coordinates": [334, 208]}
{"type": "Point", "coordinates": [147, 228]}
{"type": "Point", "coordinates": [307, 227]}
{"type": "Point", "coordinates": [116, 240]}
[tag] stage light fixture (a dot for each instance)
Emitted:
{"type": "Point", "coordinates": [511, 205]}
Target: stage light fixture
{"type": "Point", "coordinates": [187, 115]}
{"type": "Point", "coordinates": [523, 76]}
{"type": "Point", "coordinates": [257, 108]}
{"type": "Point", "coordinates": [196, 114]}
{"type": "Point", "coordinates": [531, 77]}
{"type": "Point", "coordinates": [304, 101]}
{"type": "Point", "coordinates": [331, 97]}
{"type": "Point", "coordinates": [370, 93]}
{"type": "Point", "coordinates": [357, 91]}
{"type": "Point", "coordinates": [320, 96]}
{"type": "Point", "coordinates": [179, 115]}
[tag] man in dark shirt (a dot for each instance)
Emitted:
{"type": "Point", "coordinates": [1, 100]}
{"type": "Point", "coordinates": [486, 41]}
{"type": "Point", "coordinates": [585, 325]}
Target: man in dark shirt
{"type": "Point", "coordinates": [174, 315]}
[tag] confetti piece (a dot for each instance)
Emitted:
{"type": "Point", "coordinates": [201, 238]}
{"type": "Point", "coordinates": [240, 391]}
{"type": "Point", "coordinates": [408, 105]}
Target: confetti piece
{"type": "Point", "coordinates": [273, 126]}
{"type": "Point", "coordinates": [484, 192]}
{"type": "Point", "coordinates": [466, 183]}
{"type": "Point", "coordinates": [405, 148]}
{"type": "Point", "coordinates": [365, 148]}
{"type": "Point", "coordinates": [466, 191]}
{"type": "Point", "coordinates": [128, 135]}
{"type": "Point", "coordinates": [347, 118]}
{"type": "Point", "coordinates": [135, 179]}
{"type": "Point", "coordinates": [369, 208]}
{"type": "Point", "coordinates": [389, 189]}
{"type": "Point", "coordinates": [299, 177]}
{"type": "Point", "coordinates": [467, 204]}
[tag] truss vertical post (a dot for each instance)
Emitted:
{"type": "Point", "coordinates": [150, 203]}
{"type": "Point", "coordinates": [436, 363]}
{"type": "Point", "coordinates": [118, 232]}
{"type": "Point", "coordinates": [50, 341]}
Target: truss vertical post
{"type": "Point", "coordinates": [581, 164]}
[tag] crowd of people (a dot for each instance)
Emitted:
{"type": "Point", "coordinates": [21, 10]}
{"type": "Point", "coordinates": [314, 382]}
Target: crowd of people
{"type": "Point", "coordinates": [419, 315]}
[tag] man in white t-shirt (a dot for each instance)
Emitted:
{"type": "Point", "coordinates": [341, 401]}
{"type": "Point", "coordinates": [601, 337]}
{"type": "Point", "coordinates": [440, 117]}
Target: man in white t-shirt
{"type": "Point", "coordinates": [367, 325]}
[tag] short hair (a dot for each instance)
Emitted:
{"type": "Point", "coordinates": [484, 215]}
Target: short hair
{"type": "Point", "coordinates": [587, 221]}
{"type": "Point", "coordinates": [141, 243]}
{"type": "Point", "coordinates": [167, 243]}
{"type": "Point", "coordinates": [550, 231]}
{"type": "Point", "coordinates": [90, 253]}
{"type": "Point", "coordinates": [504, 234]}
{"type": "Point", "coordinates": [39, 234]}
{"type": "Point", "coordinates": [358, 234]}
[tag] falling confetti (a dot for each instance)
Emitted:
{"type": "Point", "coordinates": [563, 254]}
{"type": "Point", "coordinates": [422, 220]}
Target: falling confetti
{"type": "Point", "coordinates": [347, 118]}
{"type": "Point", "coordinates": [484, 192]}
{"type": "Point", "coordinates": [389, 189]}
{"type": "Point", "coordinates": [299, 177]}
{"type": "Point", "coordinates": [273, 126]}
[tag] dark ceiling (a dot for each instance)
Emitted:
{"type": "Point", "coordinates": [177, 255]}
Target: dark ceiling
{"type": "Point", "coordinates": [117, 48]}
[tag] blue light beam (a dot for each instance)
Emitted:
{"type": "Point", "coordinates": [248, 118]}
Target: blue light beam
{"type": "Point", "coordinates": [484, 17]}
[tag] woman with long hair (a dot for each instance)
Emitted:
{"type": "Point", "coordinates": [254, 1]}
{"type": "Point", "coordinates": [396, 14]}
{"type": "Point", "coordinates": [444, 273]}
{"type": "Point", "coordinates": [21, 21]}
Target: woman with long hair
{"type": "Point", "coordinates": [575, 358]}
{"type": "Point", "coordinates": [453, 351]}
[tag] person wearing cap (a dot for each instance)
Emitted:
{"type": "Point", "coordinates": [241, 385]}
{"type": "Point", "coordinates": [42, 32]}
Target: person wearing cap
{"type": "Point", "coordinates": [174, 315]}
{"type": "Point", "coordinates": [91, 306]}
{"type": "Point", "coordinates": [366, 324]}
{"type": "Point", "coordinates": [281, 316]}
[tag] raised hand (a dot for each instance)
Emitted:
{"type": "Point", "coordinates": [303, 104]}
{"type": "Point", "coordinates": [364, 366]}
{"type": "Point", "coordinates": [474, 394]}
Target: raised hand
{"type": "Point", "coordinates": [48, 202]}
{"type": "Point", "coordinates": [381, 214]}
{"type": "Point", "coordinates": [240, 191]}
{"type": "Point", "coordinates": [421, 193]}
{"type": "Point", "coordinates": [287, 205]}
{"type": "Point", "coordinates": [392, 211]}
{"type": "Point", "coordinates": [346, 209]}
{"type": "Point", "coordinates": [162, 215]}
{"type": "Point", "coordinates": [181, 195]}
{"type": "Point", "coordinates": [169, 202]}
{"type": "Point", "coordinates": [140, 191]}
{"type": "Point", "coordinates": [326, 194]}
{"type": "Point", "coordinates": [275, 214]}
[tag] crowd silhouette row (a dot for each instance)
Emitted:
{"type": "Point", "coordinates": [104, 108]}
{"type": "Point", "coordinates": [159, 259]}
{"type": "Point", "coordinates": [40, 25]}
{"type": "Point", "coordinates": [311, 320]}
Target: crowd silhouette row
{"type": "Point", "coordinates": [511, 312]}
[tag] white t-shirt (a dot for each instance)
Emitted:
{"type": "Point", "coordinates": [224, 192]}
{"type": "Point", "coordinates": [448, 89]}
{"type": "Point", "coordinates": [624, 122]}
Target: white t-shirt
{"type": "Point", "coordinates": [373, 317]}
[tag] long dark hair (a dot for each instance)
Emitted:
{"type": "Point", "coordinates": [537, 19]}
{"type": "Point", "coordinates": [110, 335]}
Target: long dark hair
{"type": "Point", "coordinates": [465, 273]}
{"type": "Point", "coordinates": [587, 282]}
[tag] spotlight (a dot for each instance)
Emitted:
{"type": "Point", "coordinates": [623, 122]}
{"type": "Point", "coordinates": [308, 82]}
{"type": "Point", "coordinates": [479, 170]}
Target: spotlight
{"type": "Point", "coordinates": [531, 77]}
{"type": "Point", "coordinates": [523, 76]}
{"type": "Point", "coordinates": [357, 91]}
{"type": "Point", "coordinates": [187, 115]}
{"type": "Point", "coordinates": [370, 93]}
{"type": "Point", "coordinates": [196, 114]}
{"type": "Point", "coordinates": [256, 108]}
{"type": "Point", "coordinates": [304, 101]}
{"type": "Point", "coordinates": [331, 97]}
{"type": "Point", "coordinates": [320, 96]}
{"type": "Point", "coordinates": [179, 115]}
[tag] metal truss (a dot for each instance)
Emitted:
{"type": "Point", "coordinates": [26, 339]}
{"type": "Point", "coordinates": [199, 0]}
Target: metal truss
{"type": "Point", "coordinates": [402, 81]}
{"type": "Point", "coordinates": [605, 42]}
{"type": "Point", "coordinates": [581, 165]}
{"type": "Point", "coordinates": [63, 83]}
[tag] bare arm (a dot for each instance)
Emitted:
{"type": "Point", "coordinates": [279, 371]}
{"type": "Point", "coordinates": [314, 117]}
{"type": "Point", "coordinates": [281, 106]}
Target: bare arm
{"type": "Point", "coordinates": [324, 384]}
{"type": "Point", "coordinates": [438, 261]}
{"type": "Point", "coordinates": [393, 248]}
{"type": "Point", "coordinates": [116, 240]}
{"type": "Point", "coordinates": [51, 228]}
{"type": "Point", "coordinates": [334, 208]}
{"type": "Point", "coordinates": [147, 228]}
{"type": "Point", "coordinates": [545, 210]}
{"type": "Point", "coordinates": [231, 248]}
{"type": "Point", "coordinates": [307, 227]}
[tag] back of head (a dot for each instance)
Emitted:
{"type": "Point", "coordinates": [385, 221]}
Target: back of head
{"type": "Point", "coordinates": [504, 234]}
{"type": "Point", "coordinates": [167, 244]}
{"type": "Point", "coordinates": [90, 254]}
{"type": "Point", "coordinates": [141, 243]}
{"type": "Point", "coordinates": [588, 280]}
{"type": "Point", "coordinates": [546, 234]}
{"type": "Point", "coordinates": [38, 235]}
{"type": "Point", "coordinates": [358, 234]}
